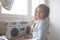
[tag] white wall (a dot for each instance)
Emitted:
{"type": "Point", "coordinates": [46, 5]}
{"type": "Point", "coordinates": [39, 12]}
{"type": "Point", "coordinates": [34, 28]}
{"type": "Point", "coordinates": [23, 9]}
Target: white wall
{"type": "Point", "coordinates": [55, 19]}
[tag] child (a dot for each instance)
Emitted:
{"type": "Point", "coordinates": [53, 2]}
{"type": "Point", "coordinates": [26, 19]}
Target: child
{"type": "Point", "coordinates": [2, 37]}
{"type": "Point", "coordinates": [40, 27]}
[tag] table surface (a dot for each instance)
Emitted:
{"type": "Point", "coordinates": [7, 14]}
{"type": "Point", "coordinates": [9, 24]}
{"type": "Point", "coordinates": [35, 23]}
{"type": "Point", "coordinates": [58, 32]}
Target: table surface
{"type": "Point", "coordinates": [24, 38]}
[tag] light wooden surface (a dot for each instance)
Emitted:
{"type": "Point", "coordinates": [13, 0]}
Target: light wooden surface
{"type": "Point", "coordinates": [23, 38]}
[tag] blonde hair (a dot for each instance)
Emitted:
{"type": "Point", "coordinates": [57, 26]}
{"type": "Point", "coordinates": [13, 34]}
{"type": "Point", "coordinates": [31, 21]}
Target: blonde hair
{"type": "Point", "coordinates": [45, 7]}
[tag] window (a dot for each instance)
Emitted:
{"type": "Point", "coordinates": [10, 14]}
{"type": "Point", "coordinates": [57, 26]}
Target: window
{"type": "Point", "coordinates": [23, 7]}
{"type": "Point", "coordinates": [19, 8]}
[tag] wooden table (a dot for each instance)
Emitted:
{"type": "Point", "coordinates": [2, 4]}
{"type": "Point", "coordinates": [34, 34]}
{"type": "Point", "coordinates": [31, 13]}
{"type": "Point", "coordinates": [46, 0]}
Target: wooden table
{"type": "Point", "coordinates": [23, 38]}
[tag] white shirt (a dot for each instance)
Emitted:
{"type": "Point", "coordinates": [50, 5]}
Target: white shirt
{"type": "Point", "coordinates": [40, 30]}
{"type": "Point", "coordinates": [3, 38]}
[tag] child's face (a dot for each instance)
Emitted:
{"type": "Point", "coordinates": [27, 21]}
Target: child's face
{"type": "Point", "coordinates": [40, 13]}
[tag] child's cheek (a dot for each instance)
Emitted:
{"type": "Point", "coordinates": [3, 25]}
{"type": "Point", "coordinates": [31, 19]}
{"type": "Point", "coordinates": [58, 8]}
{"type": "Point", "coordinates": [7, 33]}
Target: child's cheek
{"type": "Point", "coordinates": [41, 15]}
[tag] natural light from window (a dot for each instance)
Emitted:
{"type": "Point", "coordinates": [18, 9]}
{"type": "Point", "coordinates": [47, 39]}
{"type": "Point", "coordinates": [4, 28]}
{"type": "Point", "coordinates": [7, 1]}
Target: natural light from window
{"type": "Point", "coordinates": [19, 8]}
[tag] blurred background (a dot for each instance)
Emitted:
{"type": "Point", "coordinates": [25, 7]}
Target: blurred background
{"type": "Point", "coordinates": [19, 14]}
